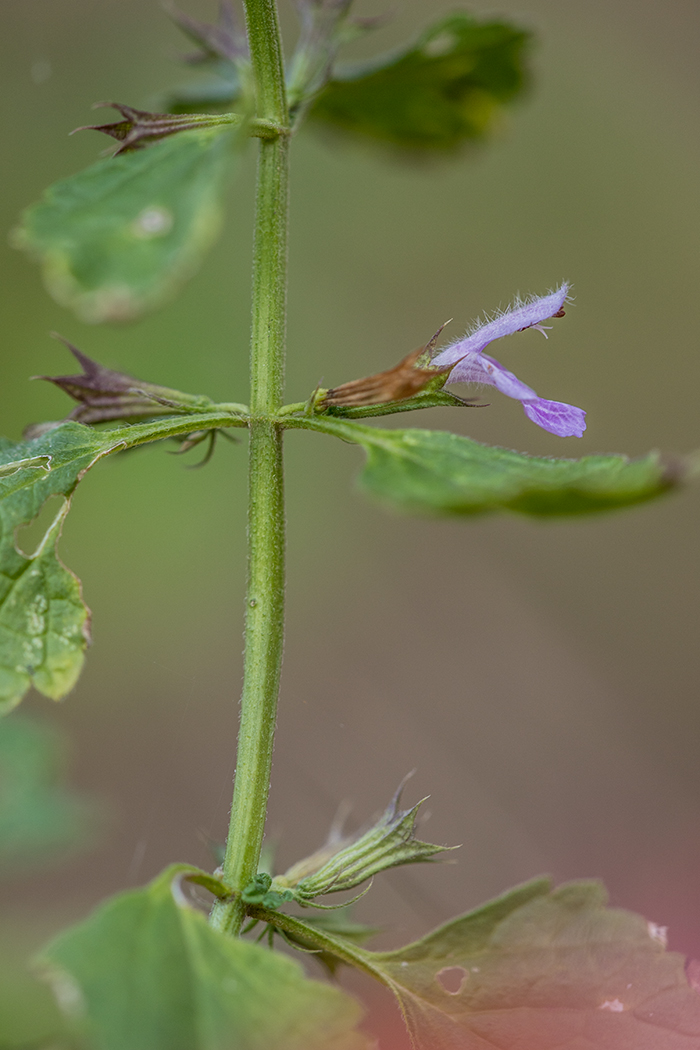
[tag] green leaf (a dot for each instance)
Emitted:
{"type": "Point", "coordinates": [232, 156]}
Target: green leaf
{"type": "Point", "coordinates": [29, 1016]}
{"type": "Point", "coordinates": [147, 972]}
{"type": "Point", "coordinates": [539, 970]}
{"type": "Point", "coordinates": [435, 472]}
{"type": "Point", "coordinates": [44, 623]}
{"type": "Point", "coordinates": [535, 969]}
{"type": "Point", "coordinates": [38, 816]}
{"type": "Point", "coordinates": [258, 892]}
{"type": "Point", "coordinates": [120, 237]}
{"type": "Point", "coordinates": [443, 91]}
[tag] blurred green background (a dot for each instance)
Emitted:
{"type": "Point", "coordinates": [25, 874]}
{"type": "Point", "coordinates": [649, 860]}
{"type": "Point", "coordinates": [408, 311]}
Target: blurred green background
{"type": "Point", "coordinates": [542, 678]}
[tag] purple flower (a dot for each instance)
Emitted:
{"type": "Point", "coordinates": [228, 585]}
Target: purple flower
{"type": "Point", "coordinates": [471, 365]}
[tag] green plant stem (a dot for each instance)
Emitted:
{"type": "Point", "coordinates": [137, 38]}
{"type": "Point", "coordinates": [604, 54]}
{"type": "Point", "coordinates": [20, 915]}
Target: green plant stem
{"type": "Point", "coordinates": [322, 941]}
{"type": "Point", "coordinates": [266, 537]}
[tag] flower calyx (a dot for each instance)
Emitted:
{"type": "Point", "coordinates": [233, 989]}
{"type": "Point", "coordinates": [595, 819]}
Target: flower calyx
{"type": "Point", "coordinates": [224, 40]}
{"type": "Point", "coordinates": [140, 128]}
{"type": "Point", "coordinates": [345, 862]}
{"type": "Point", "coordinates": [104, 395]}
{"type": "Point", "coordinates": [406, 379]}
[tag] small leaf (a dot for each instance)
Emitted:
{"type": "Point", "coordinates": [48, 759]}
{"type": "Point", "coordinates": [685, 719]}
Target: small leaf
{"type": "Point", "coordinates": [441, 92]}
{"type": "Point", "coordinates": [539, 970]}
{"type": "Point", "coordinates": [146, 972]}
{"type": "Point", "coordinates": [38, 816]}
{"type": "Point", "coordinates": [435, 472]}
{"type": "Point", "coordinates": [258, 892]}
{"type": "Point", "coordinates": [44, 624]}
{"type": "Point", "coordinates": [120, 237]}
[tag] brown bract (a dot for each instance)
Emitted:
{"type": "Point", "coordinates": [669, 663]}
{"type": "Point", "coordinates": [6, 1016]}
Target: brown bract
{"type": "Point", "coordinates": [396, 384]}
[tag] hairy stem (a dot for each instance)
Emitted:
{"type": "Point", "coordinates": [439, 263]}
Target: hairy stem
{"type": "Point", "coordinates": [265, 594]}
{"type": "Point", "coordinates": [322, 941]}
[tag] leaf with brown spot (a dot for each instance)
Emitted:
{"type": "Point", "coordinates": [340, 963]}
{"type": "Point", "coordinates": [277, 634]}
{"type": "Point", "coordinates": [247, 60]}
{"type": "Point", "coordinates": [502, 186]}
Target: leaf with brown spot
{"type": "Point", "coordinates": [119, 238]}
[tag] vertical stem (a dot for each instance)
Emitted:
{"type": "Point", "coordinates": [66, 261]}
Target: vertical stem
{"type": "Point", "coordinates": [266, 537]}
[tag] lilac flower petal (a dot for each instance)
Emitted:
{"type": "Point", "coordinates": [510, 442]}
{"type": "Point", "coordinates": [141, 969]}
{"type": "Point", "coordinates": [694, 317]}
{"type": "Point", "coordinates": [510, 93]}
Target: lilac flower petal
{"type": "Point", "coordinates": [520, 316]}
{"type": "Point", "coordinates": [471, 369]}
{"type": "Point", "coordinates": [480, 368]}
{"type": "Point", "coordinates": [473, 366]}
{"type": "Point", "coordinates": [556, 417]}
{"type": "Point", "coordinates": [505, 381]}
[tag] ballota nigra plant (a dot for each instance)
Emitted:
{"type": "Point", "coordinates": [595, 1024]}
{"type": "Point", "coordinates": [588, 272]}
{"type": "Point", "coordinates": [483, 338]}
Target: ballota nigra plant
{"type": "Point", "coordinates": [535, 969]}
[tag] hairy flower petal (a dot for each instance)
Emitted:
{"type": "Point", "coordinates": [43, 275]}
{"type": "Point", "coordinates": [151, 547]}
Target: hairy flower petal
{"type": "Point", "coordinates": [480, 368]}
{"type": "Point", "coordinates": [521, 316]}
{"type": "Point", "coordinates": [473, 366]}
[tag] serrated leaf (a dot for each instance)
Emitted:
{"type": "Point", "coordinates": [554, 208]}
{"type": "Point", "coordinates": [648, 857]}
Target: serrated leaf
{"type": "Point", "coordinates": [117, 239]}
{"type": "Point", "coordinates": [544, 970]}
{"type": "Point", "coordinates": [44, 623]}
{"type": "Point", "coordinates": [148, 973]}
{"type": "Point", "coordinates": [38, 816]}
{"type": "Point", "coordinates": [443, 91]}
{"type": "Point", "coordinates": [435, 472]}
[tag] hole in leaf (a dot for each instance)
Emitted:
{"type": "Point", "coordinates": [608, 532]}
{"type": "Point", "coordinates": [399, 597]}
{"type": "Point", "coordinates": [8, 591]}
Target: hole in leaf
{"type": "Point", "coordinates": [452, 979]}
{"type": "Point", "coordinates": [28, 537]}
{"type": "Point", "coordinates": [8, 469]}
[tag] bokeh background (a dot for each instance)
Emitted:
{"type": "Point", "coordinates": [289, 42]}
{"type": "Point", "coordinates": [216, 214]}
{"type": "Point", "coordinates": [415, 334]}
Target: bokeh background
{"type": "Point", "coordinates": [541, 678]}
